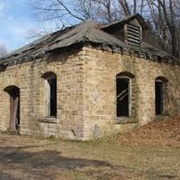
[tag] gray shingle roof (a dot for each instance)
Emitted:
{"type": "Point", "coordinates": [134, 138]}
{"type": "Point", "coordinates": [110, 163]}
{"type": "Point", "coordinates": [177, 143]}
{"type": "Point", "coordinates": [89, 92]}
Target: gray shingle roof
{"type": "Point", "coordinates": [85, 32]}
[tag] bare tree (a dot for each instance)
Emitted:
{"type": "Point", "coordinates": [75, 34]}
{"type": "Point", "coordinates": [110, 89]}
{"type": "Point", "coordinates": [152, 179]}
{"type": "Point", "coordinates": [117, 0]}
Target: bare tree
{"type": "Point", "coordinates": [69, 12]}
{"type": "Point", "coordinates": [60, 11]}
{"type": "Point", "coordinates": [125, 7]}
{"type": "Point", "coordinates": [162, 15]}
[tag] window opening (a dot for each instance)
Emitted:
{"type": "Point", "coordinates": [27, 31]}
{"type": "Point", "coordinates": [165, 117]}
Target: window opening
{"type": "Point", "coordinates": [160, 95]}
{"type": "Point", "coordinates": [52, 96]}
{"type": "Point", "coordinates": [51, 93]}
{"type": "Point", "coordinates": [123, 96]}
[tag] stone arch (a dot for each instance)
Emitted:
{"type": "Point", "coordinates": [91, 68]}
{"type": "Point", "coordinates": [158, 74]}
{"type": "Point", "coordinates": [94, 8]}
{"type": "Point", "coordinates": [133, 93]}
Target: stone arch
{"type": "Point", "coordinates": [48, 75]}
{"type": "Point", "coordinates": [50, 93]}
{"type": "Point", "coordinates": [125, 74]}
{"type": "Point", "coordinates": [14, 112]}
{"type": "Point", "coordinates": [124, 90]}
{"type": "Point", "coordinates": [161, 78]}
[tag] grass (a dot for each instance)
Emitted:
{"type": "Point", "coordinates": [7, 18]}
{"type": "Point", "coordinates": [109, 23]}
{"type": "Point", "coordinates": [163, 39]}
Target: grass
{"type": "Point", "coordinates": [23, 157]}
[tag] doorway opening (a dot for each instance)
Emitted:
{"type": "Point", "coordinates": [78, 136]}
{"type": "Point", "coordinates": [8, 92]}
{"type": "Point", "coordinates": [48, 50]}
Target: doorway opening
{"type": "Point", "coordinates": [14, 122]}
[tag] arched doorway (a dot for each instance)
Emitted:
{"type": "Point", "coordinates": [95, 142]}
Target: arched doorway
{"type": "Point", "coordinates": [14, 93]}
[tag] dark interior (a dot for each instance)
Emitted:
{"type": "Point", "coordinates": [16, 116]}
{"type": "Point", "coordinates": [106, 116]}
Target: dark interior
{"type": "Point", "coordinates": [53, 97]}
{"type": "Point", "coordinates": [122, 94]}
{"type": "Point", "coordinates": [159, 97]}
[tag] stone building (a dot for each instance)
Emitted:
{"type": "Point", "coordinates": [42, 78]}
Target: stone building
{"type": "Point", "coordinates": [87, 81]}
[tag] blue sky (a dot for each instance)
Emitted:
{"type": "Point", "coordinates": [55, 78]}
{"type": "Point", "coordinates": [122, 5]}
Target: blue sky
{"type": "Point", "coordinates": [17, 20]}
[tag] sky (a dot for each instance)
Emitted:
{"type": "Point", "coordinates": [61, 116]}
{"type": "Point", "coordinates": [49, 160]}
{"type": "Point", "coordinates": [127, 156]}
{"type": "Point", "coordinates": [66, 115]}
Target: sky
{"type": "Point", "coordinates": [17, 20]}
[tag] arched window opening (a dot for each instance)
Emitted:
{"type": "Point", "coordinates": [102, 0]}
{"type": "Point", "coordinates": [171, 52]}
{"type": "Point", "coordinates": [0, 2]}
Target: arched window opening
{"type": "Point", "coordinates": [14, 93]}
{"type": "Point", "coordinates": [160, 91]}
{"type": "Point", "coordinates": [51, 93]}
{"type": "Point", "coordinates": [123, 94]}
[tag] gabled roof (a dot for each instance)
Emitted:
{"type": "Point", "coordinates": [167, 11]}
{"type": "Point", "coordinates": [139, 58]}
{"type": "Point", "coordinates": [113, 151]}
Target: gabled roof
{"type": "Point", "coordinates": [125, 20]}
{"type": "Point", "coordinates": [85, 32]}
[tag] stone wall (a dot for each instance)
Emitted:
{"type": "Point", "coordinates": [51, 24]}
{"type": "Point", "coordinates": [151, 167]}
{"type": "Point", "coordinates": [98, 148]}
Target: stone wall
{"type": "Point", "coordinates": [101, 68]}
{"type": "Point", "coordinates": [28, 77]}
{"type": "Point", "coordinates": [86, 93]}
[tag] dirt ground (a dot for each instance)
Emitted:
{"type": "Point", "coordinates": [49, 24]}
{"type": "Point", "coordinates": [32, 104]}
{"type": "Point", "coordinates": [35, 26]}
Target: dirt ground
{"type": "Point", "coordinates": [28, 158]}
{"type": "Point", "coordinates": [151, 152]}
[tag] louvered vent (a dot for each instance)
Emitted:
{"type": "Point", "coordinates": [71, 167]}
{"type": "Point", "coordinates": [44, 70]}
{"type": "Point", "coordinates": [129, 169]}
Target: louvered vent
{"type": "Point", "coordinates": [133, 35]}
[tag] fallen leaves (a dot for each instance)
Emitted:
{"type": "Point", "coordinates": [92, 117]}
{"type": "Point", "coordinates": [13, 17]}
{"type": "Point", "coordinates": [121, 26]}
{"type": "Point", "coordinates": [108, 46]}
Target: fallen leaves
{"type": "Point", "coordinates": [159, 132]}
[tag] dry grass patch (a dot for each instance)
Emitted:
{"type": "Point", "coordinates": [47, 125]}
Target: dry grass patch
{"type": "Point", "coordinates": [24, 157]}
{"type": "Point", "coordinates": [150, 153]}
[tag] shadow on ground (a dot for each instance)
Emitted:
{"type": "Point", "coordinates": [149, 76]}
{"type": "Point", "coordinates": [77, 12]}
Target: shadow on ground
{"type": "Point", "coordinates": [33, 162]}
{"type": "Point", "coordinates": [44, 159]}
{"type": "Point", "coordinates": [41, 163]}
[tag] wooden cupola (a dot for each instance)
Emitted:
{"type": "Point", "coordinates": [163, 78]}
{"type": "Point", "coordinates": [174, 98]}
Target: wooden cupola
{"type": "Point", "coordinates": [129, 29]}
